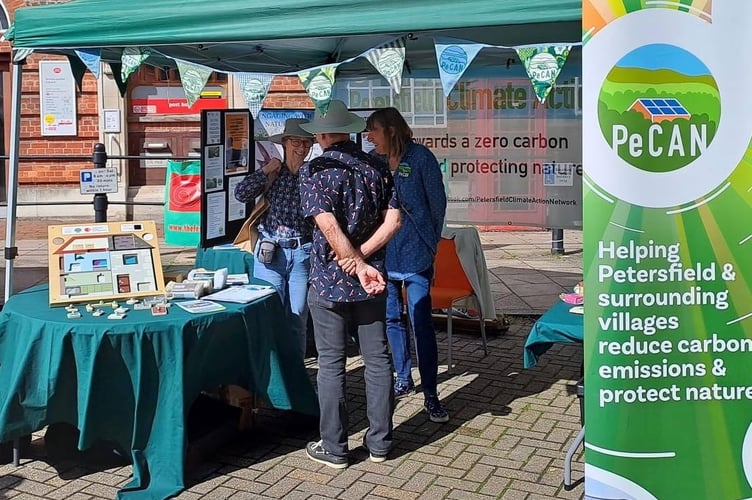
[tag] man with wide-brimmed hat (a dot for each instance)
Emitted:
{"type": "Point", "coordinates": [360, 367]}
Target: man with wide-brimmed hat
{"type": "Point", "coordinates": [350, 197]}
{"type": "Point", "coordinates": [282, 226]}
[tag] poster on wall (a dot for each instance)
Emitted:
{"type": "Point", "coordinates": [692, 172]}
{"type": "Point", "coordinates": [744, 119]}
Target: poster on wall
{"type": "Point", "coordinates": [57, 98]}
{"type": "Point", "coordinates": [227, 156]}
{"type": "Point", "coordinates": [667, 250]}
{"type": "Point", "coordinates": [237, 132]}
{"type": "Point", "coordinates": [507, 158]}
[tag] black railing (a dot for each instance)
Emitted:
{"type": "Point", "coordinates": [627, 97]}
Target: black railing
{"type": "Point", "coordinates": [98, 158]}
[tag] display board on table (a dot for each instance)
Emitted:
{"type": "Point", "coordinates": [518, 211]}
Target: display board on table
{"type": "Point", "coordinates": [667, 250]}
{"type": "Point", "coordinates": [108, 260]}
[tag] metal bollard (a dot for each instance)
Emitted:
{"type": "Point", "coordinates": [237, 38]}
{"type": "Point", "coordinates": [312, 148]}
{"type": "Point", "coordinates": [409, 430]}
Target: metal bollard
{"type": "Point", "coordinates": [99, 158]}
{"type": "Point", "coordinates": [557, 241]}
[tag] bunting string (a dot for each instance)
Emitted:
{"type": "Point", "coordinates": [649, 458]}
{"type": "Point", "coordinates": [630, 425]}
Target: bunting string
{"type": "Point", "coordinates": [543, 63]}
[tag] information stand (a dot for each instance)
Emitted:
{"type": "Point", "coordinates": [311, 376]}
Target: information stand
{"type": "Point", "coordinates": [227, 156]}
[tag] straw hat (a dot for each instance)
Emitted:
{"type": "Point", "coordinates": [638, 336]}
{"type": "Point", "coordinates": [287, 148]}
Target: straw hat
{"type": "Point", "coordinates": [338, 120]}
{"type": "Point", "coordinates": [292, 129]}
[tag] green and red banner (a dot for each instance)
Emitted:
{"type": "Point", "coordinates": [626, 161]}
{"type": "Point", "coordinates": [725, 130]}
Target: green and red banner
{"type": "Point", "coordinates": [667, 158]}
{"type": "Point", "coordinates": [182, 213]}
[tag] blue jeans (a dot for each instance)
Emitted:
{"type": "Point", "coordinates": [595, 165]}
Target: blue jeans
{"type": "Point", "coordinates": [288, 274]}
{"type": "Point", "coordinates": [332, 324]}
{"type": "Point", "coordinates": [418, 287]}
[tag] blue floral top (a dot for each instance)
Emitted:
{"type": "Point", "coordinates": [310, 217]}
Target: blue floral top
{"type": "Point", "coordinates": [356, 188]}
{"type": "Point", "coordinates": [284, 219]}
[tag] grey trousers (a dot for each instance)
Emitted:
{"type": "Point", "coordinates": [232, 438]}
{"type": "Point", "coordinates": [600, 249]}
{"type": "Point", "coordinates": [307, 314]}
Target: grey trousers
{"type": "Point", "coordinates": [332, 324]}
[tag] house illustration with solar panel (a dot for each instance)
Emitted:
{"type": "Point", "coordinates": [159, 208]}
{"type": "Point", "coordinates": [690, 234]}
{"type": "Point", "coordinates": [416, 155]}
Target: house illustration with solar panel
{"type": "Point", "coordinates": [660, 110]}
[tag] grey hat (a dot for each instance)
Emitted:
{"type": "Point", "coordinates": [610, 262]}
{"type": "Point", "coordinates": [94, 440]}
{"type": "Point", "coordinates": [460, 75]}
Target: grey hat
{"type": "Point", "coordinates": [292, 129]}
{"type": "Point", "coordinates": [338, 120]}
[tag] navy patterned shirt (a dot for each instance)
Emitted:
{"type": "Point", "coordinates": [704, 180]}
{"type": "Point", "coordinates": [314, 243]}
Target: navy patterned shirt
{"type": "Point", "coordinates": [423, 203]}
{"type": "Point", "coordinates": [356, 188]}
{"type": "Point", "coordinates": [284, 219]}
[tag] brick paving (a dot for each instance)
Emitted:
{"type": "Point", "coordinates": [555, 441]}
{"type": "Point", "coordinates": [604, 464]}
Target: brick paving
{"type": "Point", "coordinates": [507, 436]}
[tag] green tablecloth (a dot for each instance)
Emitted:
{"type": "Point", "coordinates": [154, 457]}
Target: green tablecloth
{"type": "Point", "coordinates": [133, 380]}
{"type": "Point", "coordinates": [235, 260]}
{"type": "Point", "coordinates": [557, 325]}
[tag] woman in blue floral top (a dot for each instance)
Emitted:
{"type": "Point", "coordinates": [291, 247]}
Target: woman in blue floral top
{"type": "Point", "coordinates": [283, 222]}
{"type": "Point", "coordinates": [410, 254]}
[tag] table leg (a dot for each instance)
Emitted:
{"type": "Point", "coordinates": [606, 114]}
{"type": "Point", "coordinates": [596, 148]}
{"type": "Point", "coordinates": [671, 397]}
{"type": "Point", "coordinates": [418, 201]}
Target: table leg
{"type": "Point", "coordinates": [568, 459]}
{"type": "Point", "coordinates": [17, 452]}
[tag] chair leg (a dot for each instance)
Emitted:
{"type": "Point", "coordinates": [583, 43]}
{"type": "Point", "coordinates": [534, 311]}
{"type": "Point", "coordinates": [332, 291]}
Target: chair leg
{"type": "Point", "coordinates": [449, 339]}
{"type": "Point", "coordinates": [482, 326]}
{"type": "Point", "coordinates": [568, 458]}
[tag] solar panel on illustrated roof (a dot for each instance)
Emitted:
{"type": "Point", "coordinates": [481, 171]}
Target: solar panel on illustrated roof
{"type": "Point", "coordinates": [665, 107]}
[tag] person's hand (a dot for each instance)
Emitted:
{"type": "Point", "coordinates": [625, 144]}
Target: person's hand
{"type": "Point", "coordinates": [348, 264]}
{"type": "Point", "coordinates": [273, 166]}
{"type": "Point", "coordinates": [371, 279]}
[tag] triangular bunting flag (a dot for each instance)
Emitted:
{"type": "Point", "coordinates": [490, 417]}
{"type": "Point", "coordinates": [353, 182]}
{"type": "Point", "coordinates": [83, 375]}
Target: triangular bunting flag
{"type": "Point", "coordinates": [319, 84]}
{"type": "Point", "coordinates": [453, 57]}
{"type": "Point", "coordinates": [254, 87]}
{"type": "Point", "coordinates": [193, 77]}
{"type": "Point", "coordinates": [131, 58]}
{"type": "Point", "coordinates": [543, 64]}
{"type": "Point", "coordinates": [389, 59]}
{"type": "Point", "coordinates": [91, 58]}
{"type": "Point", "coordinates": [21, 54]}
{"type": "Point", "coordinates": [78, 69]}
{"type": "Point", "coordinates": [117, 75]}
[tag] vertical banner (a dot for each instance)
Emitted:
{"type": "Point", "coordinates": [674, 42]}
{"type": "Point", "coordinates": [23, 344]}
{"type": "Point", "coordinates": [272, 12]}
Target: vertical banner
{"type": "Point", "coordinates": [182, 215]}
{"type": "Point", "coordinates": [668, 250]}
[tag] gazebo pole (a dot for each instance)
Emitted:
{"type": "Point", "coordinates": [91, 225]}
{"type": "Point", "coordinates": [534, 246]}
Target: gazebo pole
{"type": "Point", "coordinates": [11, 251]}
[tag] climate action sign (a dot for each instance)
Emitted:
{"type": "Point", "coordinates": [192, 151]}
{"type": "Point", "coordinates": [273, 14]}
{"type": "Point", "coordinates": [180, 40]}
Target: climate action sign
{"type": "Point", "coordinates": [668, 249]}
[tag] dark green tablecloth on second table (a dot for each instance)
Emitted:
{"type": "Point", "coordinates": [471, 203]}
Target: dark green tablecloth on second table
{"type": "Point", "coordinates": [133, 380]}
{"type": "Point", "coordinates": [557, 325]}
{"type": "Point", "coordinates": [235, 260]}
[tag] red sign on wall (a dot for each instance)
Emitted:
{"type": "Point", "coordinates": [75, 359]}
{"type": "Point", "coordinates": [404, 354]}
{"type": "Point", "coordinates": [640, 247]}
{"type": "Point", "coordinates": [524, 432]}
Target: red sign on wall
{"type": "Point", "coordinates": [152, 100]}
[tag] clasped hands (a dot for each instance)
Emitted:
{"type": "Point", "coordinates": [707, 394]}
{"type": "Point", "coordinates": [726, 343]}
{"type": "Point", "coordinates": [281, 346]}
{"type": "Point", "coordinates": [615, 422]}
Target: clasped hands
{"type": "Point", "coordinates": [370, 278]}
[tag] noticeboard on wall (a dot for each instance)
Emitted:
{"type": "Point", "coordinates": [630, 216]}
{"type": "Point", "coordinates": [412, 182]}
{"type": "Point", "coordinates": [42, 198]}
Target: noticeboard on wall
{"type": "Point", "coordinates": [57, 98]}
{"type": "Point", "coordinates": [227, 156]}
{"type": "Point", "coordinates": [115, 260]}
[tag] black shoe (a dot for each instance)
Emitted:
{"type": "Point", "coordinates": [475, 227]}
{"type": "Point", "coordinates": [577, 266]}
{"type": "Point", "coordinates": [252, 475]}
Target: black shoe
{"type": "Point", "coordinates": [376, 458]}
{"type": "Point", "coordinates": [436, 411]}
{"type": "Point", "coordinates": [317, 453]}
{"type": "Point", "coordinates": [403, 389]}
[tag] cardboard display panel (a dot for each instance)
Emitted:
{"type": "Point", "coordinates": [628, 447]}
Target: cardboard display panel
{"type": "Point", "coordinates": [104, 261]}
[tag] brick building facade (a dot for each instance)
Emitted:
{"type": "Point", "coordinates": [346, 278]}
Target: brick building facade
{"type": "Point", "coordinates": [43, 178]}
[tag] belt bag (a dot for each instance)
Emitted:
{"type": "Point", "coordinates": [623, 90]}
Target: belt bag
{"type": "Point", "coordinates": [266, 250]}
{"type": "Point", "coordinates": [248, 234]}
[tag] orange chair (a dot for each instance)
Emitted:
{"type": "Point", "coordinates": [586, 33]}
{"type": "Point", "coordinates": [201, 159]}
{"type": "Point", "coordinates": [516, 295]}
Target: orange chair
{"type": "Point", "coordinates": [450, 285]}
